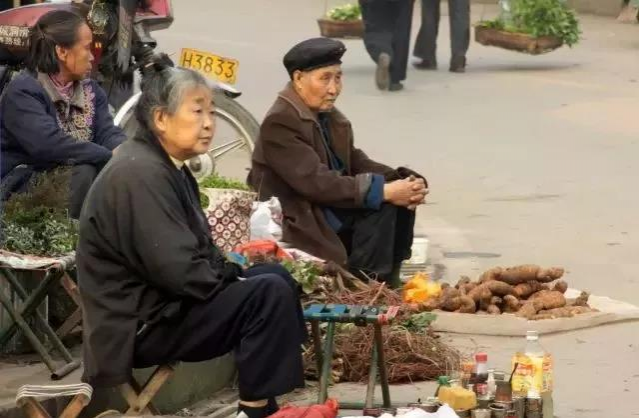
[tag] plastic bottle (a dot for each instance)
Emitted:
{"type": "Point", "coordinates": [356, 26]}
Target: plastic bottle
{"type": "Point", "coordinates": [480, 376]}
{"type": "Point", "coordinates": [533, 376]}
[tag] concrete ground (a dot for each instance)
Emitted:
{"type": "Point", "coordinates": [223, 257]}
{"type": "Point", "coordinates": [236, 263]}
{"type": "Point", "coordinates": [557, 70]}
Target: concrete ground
{"type": "Point", "coordinates": [529, 159]}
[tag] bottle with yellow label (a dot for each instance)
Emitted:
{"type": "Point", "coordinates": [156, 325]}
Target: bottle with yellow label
{"type": "Point", "coordinates": [534, 374]}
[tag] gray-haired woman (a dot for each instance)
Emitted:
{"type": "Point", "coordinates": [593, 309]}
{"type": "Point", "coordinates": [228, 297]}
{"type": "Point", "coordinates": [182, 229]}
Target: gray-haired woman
{"type": "Point", "coordinates": [155, 289]}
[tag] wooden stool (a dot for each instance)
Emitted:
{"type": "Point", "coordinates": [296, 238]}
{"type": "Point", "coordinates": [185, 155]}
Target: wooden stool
{"type": "Point", "coordinates": [55, 271]}
{"type": "Point", "coordinates": [139, 397]}
{"type": "Point", "coordinates": [28, 396]}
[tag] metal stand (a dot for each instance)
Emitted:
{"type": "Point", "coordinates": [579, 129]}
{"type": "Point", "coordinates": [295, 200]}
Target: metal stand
{"type": "Point", "coordinates": [360, 316]}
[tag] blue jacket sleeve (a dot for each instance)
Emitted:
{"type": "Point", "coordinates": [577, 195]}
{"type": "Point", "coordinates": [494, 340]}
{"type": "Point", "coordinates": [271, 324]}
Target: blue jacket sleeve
{"type": "Point", "coordinates": [375, 195]}
{"type": "Point", "coordinates": [106, 133]}
{"type": "Point", "coordinates": [25, 118]}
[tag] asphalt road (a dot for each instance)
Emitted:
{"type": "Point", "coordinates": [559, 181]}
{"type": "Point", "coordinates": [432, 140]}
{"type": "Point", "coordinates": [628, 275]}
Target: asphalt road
{"type": "Point", "coordinates": [530, 160]}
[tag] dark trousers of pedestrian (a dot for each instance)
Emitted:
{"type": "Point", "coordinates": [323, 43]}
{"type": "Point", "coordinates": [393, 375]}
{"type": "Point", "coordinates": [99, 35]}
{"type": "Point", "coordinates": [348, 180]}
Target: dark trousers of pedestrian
{"type": "Point", "coordinates": [426, 44]}
{"type": "Point", "coordinates": [259, 319]}
{"type": "Point", "coordinates": [377, 241]}
{"type": "Point", "coordinates": [387, 26]}
{"type": "Point", "coordinates": [82, 177]}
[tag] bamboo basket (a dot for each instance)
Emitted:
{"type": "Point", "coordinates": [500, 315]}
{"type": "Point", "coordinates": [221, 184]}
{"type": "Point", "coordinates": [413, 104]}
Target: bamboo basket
{"type": "Point", "coordinates": [341, 29]}
{"type": "Point", "coordinates": [516, 41]}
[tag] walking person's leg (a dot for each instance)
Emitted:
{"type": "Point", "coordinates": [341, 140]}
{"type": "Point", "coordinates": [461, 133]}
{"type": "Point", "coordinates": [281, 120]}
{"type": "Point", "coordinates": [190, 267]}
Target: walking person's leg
{"type": "Point", "coordinates": [378, 38]}
{"type": "Point", "coordinates": [401, 43]}
{"type": "Point", "coordinates": [426, 43]}
{"type": "Point", "coordinates": [459, 11]}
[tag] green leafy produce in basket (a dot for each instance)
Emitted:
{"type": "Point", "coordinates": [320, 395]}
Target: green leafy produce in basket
{"type": "Point", "coordinates": [540, 18]}
{"type": "Point", "coordinates": [345, 13]}
{"type": "Point", "coordinates": [215, 181]}
{"type": "Point", "coordinates": [37, 222]}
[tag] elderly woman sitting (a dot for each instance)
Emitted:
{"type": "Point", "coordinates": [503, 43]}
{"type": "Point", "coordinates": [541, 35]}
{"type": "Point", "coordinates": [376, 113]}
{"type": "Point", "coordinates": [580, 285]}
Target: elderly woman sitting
{"type": "Point", "coordinates": [52, 116]}
{"type": "Point", "coordinates": [155, 289]}
{"type": "Point", "coordinates": [337, 203]}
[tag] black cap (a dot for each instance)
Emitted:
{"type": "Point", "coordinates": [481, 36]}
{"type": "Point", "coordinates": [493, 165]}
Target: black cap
{"type": "Point", "coordinates": [314, 53]}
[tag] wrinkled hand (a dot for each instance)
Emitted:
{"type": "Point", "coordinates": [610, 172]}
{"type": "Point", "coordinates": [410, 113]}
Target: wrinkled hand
{"type": "Point", "coordinates": [405, 193]}
{"type": "Point", "coordinates": [420, 188]}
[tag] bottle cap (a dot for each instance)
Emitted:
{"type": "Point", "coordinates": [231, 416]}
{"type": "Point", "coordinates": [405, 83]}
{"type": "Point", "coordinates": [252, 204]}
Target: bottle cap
{"type": "Point", "coordinates": [443, 381]}
{"type": "Point", "coordinates": [481, 357]}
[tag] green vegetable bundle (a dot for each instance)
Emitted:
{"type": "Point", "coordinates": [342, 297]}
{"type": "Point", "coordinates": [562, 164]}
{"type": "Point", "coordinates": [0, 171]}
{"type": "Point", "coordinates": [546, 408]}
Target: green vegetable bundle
{"type": "Point", "coordinates": [37, 222]}
{"type": "Point", "coordinates": [539, 18]}
{"type": "Point", "coordinates": [215, 181]}
{"type": "Point", "coordinates": [346, 12]}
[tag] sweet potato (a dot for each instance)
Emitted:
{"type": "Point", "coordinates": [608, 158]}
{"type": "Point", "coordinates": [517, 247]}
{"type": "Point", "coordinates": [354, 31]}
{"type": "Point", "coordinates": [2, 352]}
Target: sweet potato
{"type": "Point", "coordinates": [496, 300]}
{"type": "Point", "coordinates": [480, 292]}
{"type": "Point", "coordinates": [550, 274]}
{"type": "Point", "coordinates": [430, 305]}
{"type": "Point", "coordinates": [450, 292]}
{"type": "Point", "coordinates": [467, 305]}
{"type": "Point", "coordinates": [498, 288]}
{"type": "Point", "coordinates": [466, 288]}
{"type": "Point", "coordinates": [523, 290]}
{"type": "Point", "coordinates": [451, 304]}
{"type": "Point", "coordinates": [530, 309]}
{"type": "Point", "coordinates": [485, 301]}
{"type": "Point", "coordinates": [549, 299]}
{"type": "Point", "coordinates": [581, 300]}
{"type": "Point", "coordinates": [511, 304]}
{"type": "Point", "coordinates": [560, 286]}
{"type": "Point", "coordinates": [494, 310]}
{"type": "Point", "coordinates": [528, 272]}
{"type": "Point", "coordinates": [463, 280]}
{"type": "Point", "coordinates": [491, 274]}
{"type": "Point", "coordinates": [565, 312]}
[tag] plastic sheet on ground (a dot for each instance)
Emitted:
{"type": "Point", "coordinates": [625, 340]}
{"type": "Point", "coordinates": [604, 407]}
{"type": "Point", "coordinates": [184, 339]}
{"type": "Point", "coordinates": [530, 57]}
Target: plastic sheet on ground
{"type": "Point", "coordinates": [610, 311]}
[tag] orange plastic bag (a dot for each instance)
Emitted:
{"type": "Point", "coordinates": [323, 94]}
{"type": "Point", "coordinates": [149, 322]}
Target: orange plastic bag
{"type": "Point", "coordinates": [420, 288]}
{"type": "Point", "coordinates": [328, 410]}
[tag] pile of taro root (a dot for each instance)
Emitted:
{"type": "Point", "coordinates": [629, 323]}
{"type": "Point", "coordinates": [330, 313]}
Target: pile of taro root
{"type": "Point", "coordinates": [528, 291]}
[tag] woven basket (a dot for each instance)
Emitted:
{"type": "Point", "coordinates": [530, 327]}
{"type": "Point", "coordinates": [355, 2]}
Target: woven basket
{"type": "Point", "coordinates": [229, 216]}
{"type": "Point", "coordinates": [516, 41]}
{"type": "Point", "coordinates": [341, 29]}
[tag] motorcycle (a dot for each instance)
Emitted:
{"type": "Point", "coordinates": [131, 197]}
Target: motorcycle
{"type": "Point", "coordinates": [123, 46]}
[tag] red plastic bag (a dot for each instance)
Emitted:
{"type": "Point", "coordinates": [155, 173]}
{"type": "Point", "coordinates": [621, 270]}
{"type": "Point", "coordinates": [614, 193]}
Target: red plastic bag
{"type": "Point", "coordinates": [263, 248]}
{"type": "Point", "coordinates": [328, 410]}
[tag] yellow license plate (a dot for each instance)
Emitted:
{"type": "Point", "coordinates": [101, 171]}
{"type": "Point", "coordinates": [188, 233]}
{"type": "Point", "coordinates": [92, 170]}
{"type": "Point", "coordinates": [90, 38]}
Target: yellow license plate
{"type": "Point", "coordinates": [213, 66]}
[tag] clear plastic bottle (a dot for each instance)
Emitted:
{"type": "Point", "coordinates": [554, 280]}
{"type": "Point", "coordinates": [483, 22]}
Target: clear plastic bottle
{"type": "Point", "coordinates": [533, 376]}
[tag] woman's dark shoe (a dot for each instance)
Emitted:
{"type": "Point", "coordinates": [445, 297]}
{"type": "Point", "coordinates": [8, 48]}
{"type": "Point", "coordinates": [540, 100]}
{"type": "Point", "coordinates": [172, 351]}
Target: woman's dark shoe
{"type": "Point", "coordinates": [458, 64]}
{"type": "Point", "coordinates": [382, 74]}
{"type": "Point", "coordinates": [396, 87]}
{"type": "Point", "coordinates": [426, 64]}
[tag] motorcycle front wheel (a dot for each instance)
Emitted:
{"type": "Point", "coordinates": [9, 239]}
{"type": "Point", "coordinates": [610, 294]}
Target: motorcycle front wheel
{"type": "Point", "coordinates": [233, 143]}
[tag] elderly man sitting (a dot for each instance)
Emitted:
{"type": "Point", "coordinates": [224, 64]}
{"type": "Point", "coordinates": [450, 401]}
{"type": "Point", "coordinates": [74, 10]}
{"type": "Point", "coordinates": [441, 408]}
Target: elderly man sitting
{"type": "Point", "coordinates": [337, 203]}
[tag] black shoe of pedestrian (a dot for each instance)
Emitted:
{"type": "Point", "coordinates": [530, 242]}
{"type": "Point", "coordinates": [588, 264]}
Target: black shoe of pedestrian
{"type": "Point", "coordinates": [426, 64]}
{"type": "Point", "coordinates": [458, 64]}
{"type": "Point", "coordinates": [396, 87]}
{"type": "Point", "coordinates": [382, 75]}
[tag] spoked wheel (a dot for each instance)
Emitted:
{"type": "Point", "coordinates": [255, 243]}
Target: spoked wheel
{"type": "Point", "coordinates": [235, 135]}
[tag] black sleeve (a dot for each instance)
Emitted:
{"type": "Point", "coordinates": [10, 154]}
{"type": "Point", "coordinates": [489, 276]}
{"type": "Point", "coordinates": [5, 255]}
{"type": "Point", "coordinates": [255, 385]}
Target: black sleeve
{"type": "Point", "coordinates": [25, 118]}
{"type": "Point", "coordinates": [153, 229]}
